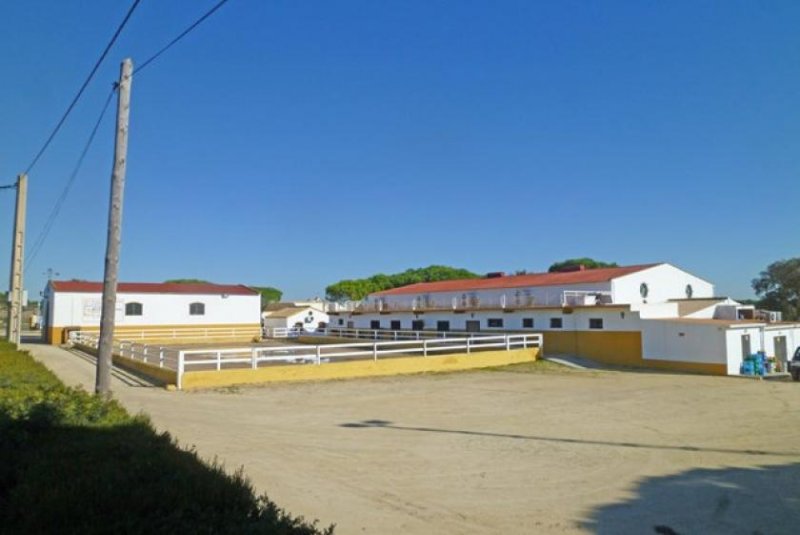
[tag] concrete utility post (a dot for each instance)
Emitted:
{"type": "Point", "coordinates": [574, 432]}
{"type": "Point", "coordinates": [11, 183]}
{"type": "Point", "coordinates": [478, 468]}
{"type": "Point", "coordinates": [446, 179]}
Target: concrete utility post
{"type": "Point", "coordinates": [106, 343]}
{"type": "Point", "coordinates": [14, 330]}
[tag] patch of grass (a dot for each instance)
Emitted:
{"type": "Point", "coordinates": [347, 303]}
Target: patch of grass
{"type": "Point", "coordinates": [71, 462]}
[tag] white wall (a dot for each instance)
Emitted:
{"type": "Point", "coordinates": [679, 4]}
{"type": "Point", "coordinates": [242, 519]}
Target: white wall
{"type": "Point", "coordinates": [792, 334]}
{"type": "Point", "coordinates": [683, 341]}
{"type": "Point", "coordinates": [664, 282]}
{"type": "Point", "coordinates": [83, 309]}
{"type": "Point", "coordinates": [656, 310]}
{"type": "Point", "coordinates": [614, 319]}
{"type": "Point", "coordinates": [734, 345]}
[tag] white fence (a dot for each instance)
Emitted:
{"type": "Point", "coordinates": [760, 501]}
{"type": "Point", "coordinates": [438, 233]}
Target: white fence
{"type": "Point", "coordinates": [158, 355]}
{"type": "Point", "coordinates": [185, 335]}
{"type": "Point", "coordinates": [182, 360]}
{"type": "Point", "coordinates": [369, 334]}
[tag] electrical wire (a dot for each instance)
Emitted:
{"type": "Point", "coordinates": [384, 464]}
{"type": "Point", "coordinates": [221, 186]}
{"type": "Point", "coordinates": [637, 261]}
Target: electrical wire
{"type": "Point", "coordinates": [51, 219]}
{"type": "Point", "coordinates": [83, 87]}
{"type": "Point", "coordinates": [180, 36]}
{"type": "Point", "coordinates": [10, 186]}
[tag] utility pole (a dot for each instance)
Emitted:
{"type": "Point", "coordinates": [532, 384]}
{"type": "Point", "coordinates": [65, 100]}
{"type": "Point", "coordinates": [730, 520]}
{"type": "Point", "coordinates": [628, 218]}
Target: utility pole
{"type": "Point", "coordinates": [17, 258]}
{"type": "Point", "coordinates": [106, 343]}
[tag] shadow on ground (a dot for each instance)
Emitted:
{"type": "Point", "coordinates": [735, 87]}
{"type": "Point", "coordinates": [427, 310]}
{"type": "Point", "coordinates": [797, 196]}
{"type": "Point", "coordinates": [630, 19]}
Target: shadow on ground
{"type": "Point", "coordinates": [759, 500]}
{"type": "Point", "coordinates": [385, 424]}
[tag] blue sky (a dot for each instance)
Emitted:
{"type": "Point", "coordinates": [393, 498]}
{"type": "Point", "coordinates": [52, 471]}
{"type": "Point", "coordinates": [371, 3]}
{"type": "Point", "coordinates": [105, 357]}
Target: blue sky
{"type": "Point", "coordinates": [294, 144]}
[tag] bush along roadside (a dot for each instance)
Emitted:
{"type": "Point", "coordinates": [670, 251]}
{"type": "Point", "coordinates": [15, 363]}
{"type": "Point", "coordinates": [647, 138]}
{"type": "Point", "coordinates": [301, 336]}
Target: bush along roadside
{"type": "Point", "coordinates": [71, 462]}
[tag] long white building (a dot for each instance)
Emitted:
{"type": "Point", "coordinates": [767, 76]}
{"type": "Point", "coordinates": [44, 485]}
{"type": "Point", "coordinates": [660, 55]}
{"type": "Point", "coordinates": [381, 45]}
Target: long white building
{"type": "Point", "coordinates": [653, 315]}
{"type": "Point", "coordinates": [146, 309]}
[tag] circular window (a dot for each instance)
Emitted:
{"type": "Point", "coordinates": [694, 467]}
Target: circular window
{"type": "Point", "coordinates": [689, 291]}
{"type": "Point", "coordinates": [644, 290]}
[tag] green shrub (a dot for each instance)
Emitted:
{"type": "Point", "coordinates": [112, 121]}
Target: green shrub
{"type": "Point", "coordinates": [71, 462]}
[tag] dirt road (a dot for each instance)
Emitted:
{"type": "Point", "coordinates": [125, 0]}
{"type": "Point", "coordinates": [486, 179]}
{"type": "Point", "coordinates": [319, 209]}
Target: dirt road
{"type": "Point", "coordinates": [502, 452]}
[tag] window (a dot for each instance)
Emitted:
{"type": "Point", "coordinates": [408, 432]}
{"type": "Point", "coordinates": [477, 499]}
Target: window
{"type": "Point", "coordinates": [494, 322]}
{"type": "Point", "coordinates": [442, 325]}
{"type": "Point", "coordinates": [375, 324]}
{"type": "Point", "coordinates": [556, 323]}
{"type": "Point", "coordinates": [595, 323]}
{"type": "Point", "coordinates": [527, 323]}
{"type": "Point", "coordinates": [644, 290]}
{"type": "Point", "coordinates": [396, 325]}
{"type": "Point", "coordinates": [418, 325]}
{"type": "Point", "coordinates": [133, 309]}
{"type": "Point", "coordinates": [197, 309]}
{"type": "Point", "coordinates": [341, 321]}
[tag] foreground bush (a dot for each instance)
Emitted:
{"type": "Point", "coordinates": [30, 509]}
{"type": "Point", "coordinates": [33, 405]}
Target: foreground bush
{"type": "Point", "coordinates": [71, 462]}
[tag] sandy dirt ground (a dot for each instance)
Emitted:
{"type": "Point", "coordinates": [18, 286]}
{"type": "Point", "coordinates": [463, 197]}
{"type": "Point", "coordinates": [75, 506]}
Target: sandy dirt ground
{"type": "Point", "coordinates": [500, 451]}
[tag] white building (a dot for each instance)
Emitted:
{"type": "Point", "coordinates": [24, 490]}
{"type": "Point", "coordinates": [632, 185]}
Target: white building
{"type": "Point", "coordinates": [306, 318]}
{"type": "Point", "coordinates": [147, 308]}
{"type": "Point", "coordinates": [654, 315]}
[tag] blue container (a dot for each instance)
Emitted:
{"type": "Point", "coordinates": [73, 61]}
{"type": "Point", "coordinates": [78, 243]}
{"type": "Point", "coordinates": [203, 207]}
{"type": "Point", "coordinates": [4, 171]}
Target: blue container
{"type": "Point", "coordinates": [747, 368]}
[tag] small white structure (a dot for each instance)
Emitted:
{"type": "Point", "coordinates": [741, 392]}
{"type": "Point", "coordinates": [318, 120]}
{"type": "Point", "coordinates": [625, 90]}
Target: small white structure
{"type": "Point", "coordinates": [145, 309]}
{"type": "Point", "coordinates": [306, 318]}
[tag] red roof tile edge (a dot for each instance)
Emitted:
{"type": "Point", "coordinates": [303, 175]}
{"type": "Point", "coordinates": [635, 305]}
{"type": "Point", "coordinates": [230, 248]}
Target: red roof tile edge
{"type": "Point", "coordinates": [519, 281]}
{"type": "Point", "coordinates": [155, 288]}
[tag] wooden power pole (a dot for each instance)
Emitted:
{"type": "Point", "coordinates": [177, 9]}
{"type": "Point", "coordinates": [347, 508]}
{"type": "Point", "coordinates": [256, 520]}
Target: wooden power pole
{"type": "Point", "coordinates": [15, 289]}
{"type": "Point", "coordinates": [106, 344]}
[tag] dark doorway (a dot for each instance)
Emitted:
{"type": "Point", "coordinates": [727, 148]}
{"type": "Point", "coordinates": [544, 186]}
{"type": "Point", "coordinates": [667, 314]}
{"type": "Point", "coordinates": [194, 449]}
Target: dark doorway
{"type": "Point", "coordinates": [473, 326]}
{"type": "Point", "coordinates": [745, 346]}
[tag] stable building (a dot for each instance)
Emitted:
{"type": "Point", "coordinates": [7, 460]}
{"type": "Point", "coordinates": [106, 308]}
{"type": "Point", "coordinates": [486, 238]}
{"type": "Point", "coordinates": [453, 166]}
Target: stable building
{"type": "Point", "coordinates": [649, 315]}
{"type": "Point", "coordinates": [153, 311]}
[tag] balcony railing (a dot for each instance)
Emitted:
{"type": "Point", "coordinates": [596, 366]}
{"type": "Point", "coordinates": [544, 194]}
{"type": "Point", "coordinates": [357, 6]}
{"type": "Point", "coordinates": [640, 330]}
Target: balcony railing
{"type": "Point", "coordinates": [559, 299]}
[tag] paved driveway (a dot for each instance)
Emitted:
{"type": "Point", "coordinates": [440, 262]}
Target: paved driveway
{"type": "Point", "coordinates": [500, 452]}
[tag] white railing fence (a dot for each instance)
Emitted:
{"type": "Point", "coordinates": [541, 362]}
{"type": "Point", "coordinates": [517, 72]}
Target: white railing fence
{"type": "Point", "coordinates": [182, 360]}
{"type": "Point", "coordinates": [157, 355]}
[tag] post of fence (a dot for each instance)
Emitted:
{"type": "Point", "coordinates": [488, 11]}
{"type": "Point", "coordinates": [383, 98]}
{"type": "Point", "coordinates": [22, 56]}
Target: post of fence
{"type": "Point", "coordinates": [375, 351]}
{"type": "Point", "coordinates": [144, 354]}
{"type": "Point", "coordinates": [319, 355]}
{"type": "Point", "coordinates": [179, 378]}
{"type": "Point", "coordinates": [161, 357]}
{"type": "Point", "coordinates": [508, 342]}
{"type": "Point", "coordinates": [219, 360]}
{"type": "Point", "coordinates": [254, 358]}
{"type": "Point", "coordinates": [468, 345]}
{"type": "Point", "coordinates": [424, 348]}
{"type": "Point", "coordinates": [525, 342]}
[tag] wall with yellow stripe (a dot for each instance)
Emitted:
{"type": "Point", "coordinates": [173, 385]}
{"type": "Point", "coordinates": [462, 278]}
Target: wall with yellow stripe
{"type": "Point", "coordinates": [358, 368]}
{"type": "Point", "coordinates": [165, 334]}
{"type": "Point", "coordinates": [619, 348]}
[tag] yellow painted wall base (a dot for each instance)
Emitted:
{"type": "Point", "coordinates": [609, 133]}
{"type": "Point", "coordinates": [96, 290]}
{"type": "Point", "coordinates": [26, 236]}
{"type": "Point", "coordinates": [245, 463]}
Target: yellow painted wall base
{"type": "Point", "coordinates": [359, 368]}
{"type": "Point", "coordinates": [163, 375]}
{"type": "Point", "coordinates": [154, 334]}
{"type": "Point", "coordinates": [689, 367]}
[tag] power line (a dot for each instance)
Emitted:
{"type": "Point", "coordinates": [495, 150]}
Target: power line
{"type": "Point", "coordinates": [51, 219]}
{"type": "Point", "coordinates": [10, 186]}
{"type": "Point", "coordinates": [180, 36]}
{"type": "Point", "coordinates": [83, 87]}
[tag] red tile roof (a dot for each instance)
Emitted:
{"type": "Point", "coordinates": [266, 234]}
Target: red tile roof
{"type": "Point", "coordinates": [518, 281]}
{"type": "Point", "coordinates": [155, 288]}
